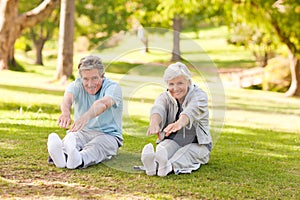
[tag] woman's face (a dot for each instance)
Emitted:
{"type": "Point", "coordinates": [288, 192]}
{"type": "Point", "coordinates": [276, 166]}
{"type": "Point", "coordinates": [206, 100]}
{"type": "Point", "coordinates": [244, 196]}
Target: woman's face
{"type": "Point", "coordinates": [178, 87]}
{"type": "Point", "coordinates": [92, 81]}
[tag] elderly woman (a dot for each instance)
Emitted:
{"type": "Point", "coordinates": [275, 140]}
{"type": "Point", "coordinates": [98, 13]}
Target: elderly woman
{"type": "Point", "coordinates": [180, 117]}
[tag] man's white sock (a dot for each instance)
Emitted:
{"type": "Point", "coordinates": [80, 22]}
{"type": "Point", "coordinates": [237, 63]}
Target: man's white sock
{"type": "Point", "coordinates": [164, 166]}
{"type": "Point", "coordinates": [55, 150]}
{"type": "Point", "coordinates": [147, 158]}
{"type": "Point", "coordinates": [74, 157]}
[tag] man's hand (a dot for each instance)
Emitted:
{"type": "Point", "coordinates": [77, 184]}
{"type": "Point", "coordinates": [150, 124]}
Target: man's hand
{"type": "Point", "coordinates": [64, 120]}
{"type": "Point", "coordinates": [79, 124]}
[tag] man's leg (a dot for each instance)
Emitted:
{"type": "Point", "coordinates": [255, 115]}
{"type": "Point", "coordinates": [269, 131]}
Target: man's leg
{"type": "Point", "coordinates": [100, 148]}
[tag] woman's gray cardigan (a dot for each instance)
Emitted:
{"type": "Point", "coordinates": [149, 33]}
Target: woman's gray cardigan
{"type": "Point", "coordinates": [195, 107]}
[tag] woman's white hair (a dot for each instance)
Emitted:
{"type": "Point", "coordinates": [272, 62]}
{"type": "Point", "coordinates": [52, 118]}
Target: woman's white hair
{"type": "Point", "coordinates": [177, 69]}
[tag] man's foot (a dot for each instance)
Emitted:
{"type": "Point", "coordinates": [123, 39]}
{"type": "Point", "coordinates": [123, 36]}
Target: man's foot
{"type": "Point", "coordinates": [55, 150]}
{"type": "Point", "coordinates": [147, 158]}
{"type": "Point", "coordinates": [74, 157]}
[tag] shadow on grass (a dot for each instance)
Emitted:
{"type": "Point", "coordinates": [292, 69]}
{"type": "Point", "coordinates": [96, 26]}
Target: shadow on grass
{"type": "Point", "coordinates": [32, 90]}
{"type": "Point", "coordinates": [16, 66]}
{"type": "Point", "coordinates": [257, 139]}
{"type": "Point", "coordinates": [242, 166]}
{"type": "Point", "coordinates": [259, 109]}
{"type": "Point", "coordinates": [36, 108]}
{"type": "Point", "coordinates": [235, 64]}
{"type": "Point", "coordinates": [149, 69]}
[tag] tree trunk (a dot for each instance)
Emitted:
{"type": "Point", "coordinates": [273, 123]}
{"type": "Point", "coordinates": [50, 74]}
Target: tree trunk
{"type": "Point", "coordinates": [39, 45]}
{"type": "Point", "coordinates": [294, 89]}
{"type": "Point", "coordinates": [143, 36]}
{"type": "Point", "coordinates": [64, 67]}
{"type": "Point", "coordinates": [177, 26]}
{"type": "Point", "coordinates": [39, 39]}
{"type": "Point", "coordinates": [12, 24]}
{"type": "Point", "coordinates": [8, 32]}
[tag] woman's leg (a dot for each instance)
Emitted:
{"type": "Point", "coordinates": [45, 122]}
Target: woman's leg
{"type": "Point", "coordinates": [189, 158]}
{"type": "Point", "coordinates": [164, 151]}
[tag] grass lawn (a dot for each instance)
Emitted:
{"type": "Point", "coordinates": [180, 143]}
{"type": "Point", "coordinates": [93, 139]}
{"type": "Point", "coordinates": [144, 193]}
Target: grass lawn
{"type": "Point", "coordinates": [255, 156]}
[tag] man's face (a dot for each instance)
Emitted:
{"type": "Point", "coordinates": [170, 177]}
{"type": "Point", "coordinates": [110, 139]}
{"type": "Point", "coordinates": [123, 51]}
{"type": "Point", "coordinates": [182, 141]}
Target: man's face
{"type": "Point", "coordinates": [178, 87]}
{"type": "Point", "coordinates": [92, 81]}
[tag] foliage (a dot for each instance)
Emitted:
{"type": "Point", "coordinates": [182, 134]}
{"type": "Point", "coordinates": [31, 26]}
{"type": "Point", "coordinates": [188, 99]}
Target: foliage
{"type": "Point", "coordinates": [49, 25]}
{"type": "Point", "coordinates": [161, 12]}
{"type": "Point", "coordinates": [261, 43]}
{"type": "Point", "coordinates": [277, 76]}
{"type": "Point", "coordinates": [278, 19]}
{"type": "Point", "coordinates": [98, 20]}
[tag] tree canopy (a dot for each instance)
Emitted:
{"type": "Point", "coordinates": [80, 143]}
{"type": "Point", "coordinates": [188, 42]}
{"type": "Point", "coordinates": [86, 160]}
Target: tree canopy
{"type": "Point", "coordinates": [281, 20]}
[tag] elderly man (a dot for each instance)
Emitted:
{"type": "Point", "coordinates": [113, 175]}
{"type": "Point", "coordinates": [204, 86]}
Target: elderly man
{"type": "Point", "coordinates": [96, 133]}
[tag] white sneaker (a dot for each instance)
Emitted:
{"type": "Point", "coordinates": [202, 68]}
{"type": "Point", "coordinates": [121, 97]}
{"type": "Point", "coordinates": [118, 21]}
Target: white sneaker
{"type": "Point", "coordinates": [147, 158]}
{"type": "Point", "coordinates": [55, 150]}
{"type": "Point", "coordinates": [74, 157]}
{"type": "Point", "coordinates": [164, 166]}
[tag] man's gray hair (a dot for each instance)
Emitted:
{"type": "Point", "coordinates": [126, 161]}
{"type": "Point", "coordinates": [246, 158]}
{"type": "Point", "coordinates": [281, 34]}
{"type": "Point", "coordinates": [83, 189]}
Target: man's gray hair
{"type": "Point", "coordinates": [177, 69]}
{"type": "Point", "coordinates": [91, 62]}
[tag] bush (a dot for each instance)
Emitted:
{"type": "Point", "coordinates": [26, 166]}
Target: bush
{"type": "Point", "coordinates": [277, 76]}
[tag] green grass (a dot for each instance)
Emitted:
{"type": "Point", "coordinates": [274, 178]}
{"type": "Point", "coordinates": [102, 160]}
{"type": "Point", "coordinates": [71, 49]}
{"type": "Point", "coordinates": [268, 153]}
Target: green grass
{"type": "Point", "coordinates": [256, 156]}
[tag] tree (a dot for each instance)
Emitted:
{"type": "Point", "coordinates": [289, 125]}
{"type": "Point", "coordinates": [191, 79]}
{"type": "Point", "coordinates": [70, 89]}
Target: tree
{"type": "Point", "coordinates": [99, 20]}
{"type": "Point", "coordinates": [262, 44]}
{"type": "Point", "coordinates": [64, 68]}
{"type": "Point", "coordinates": [12, 24]}
{"type": "Point", "coordinates": [41, 33]}
{"type": "Point", "coordinates": [282, 18]}
{"type": "Point", "coordinates": [173, 13]}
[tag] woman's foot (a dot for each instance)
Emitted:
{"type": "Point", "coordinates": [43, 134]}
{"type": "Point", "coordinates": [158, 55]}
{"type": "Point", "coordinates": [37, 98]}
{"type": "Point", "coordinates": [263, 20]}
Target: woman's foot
{"type": "Point", "coordinates": [148, 157]}
{"type": "Point", "coordinates": [164, 166]}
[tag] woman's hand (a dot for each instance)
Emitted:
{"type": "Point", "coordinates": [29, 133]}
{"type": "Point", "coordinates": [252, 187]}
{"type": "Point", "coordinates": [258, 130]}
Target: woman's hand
{"type": "Point", "coordinates": [176, 126]}
{"type": "Point", "coordinates": [153, 129]}
{"type": "Point", "coordinates": [171, 128]}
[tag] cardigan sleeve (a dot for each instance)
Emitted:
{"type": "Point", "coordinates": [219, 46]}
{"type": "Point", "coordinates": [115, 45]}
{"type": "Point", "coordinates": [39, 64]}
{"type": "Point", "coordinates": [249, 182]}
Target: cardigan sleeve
{"type": "Point", "coordinates": [160, 107]}
{"type": "Point", "coordinates": [196, 109]}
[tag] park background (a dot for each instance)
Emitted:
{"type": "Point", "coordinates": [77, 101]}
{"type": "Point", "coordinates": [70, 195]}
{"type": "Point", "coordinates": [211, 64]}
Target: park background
{"type": "Point", "coordinates": [254, 115]}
